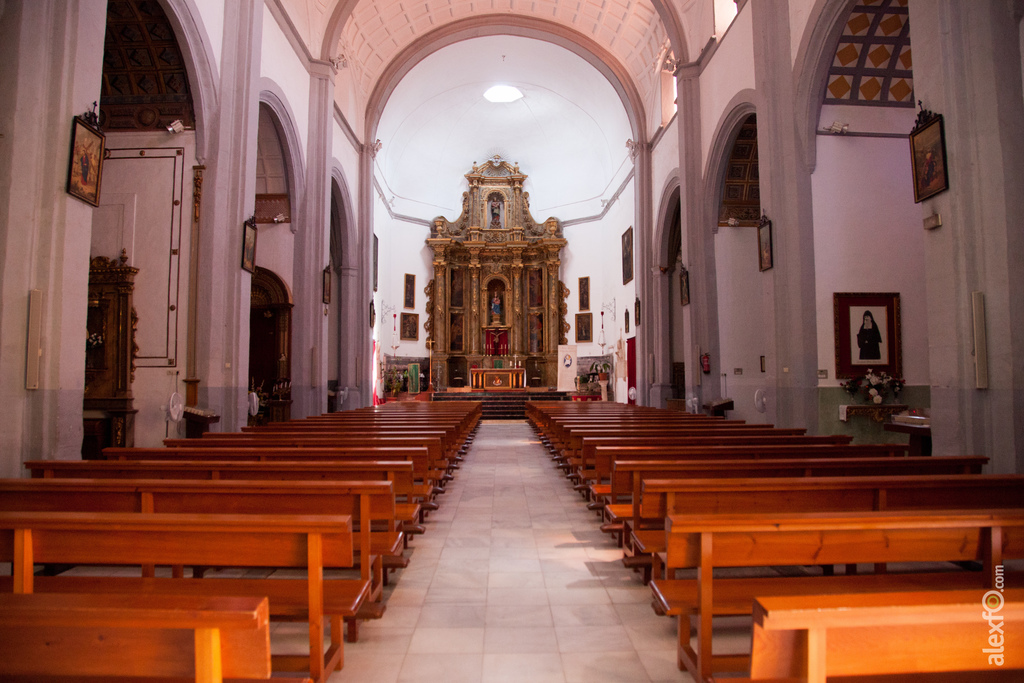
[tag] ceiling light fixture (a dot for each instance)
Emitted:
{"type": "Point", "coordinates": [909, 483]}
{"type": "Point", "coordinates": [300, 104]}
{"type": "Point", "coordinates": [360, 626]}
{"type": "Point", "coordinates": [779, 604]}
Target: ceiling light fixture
{"type": "Point", "coordinates": [502, 93]}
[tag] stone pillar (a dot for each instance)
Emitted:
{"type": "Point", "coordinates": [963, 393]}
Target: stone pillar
{"type": "Point", "coordinates": [52, 56]}
{"type": "Point", "coordinates": [309, 328]}
{"type": "Point", "coordinates": [698, 245]}
{"type": "Point", "coordinates": [229, 191]}
{"type": "Point", "coordinates": [515, 320]}
{"type": "Point", "coordinates": [967, 67]}
{"type": "Point", "coordinates": [789, 287]}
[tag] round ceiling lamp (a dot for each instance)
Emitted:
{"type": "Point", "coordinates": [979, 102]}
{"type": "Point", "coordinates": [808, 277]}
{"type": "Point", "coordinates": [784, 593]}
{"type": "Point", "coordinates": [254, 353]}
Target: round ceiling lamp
{"type": "Point", "coordinates": [502, 93]}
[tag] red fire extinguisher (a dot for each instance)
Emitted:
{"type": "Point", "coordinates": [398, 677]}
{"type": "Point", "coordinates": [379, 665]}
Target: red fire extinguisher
{"type": "Point", "coordinates": [705, 364]}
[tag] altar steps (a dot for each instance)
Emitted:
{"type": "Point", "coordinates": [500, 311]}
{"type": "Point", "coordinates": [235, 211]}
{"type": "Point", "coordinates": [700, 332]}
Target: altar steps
{"type": "Point", "coordinates": [501, 405]}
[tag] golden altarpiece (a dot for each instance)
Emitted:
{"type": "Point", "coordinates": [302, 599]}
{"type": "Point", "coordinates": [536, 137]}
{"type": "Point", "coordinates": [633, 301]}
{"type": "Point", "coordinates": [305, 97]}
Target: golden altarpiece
{"type": "Point", "coordinates": [495, 300]}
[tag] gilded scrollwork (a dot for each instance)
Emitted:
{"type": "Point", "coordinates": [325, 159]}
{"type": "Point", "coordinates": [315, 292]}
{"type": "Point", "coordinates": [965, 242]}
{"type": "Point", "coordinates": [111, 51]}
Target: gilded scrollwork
{"type": "Point", "coordinates": [428, 326]}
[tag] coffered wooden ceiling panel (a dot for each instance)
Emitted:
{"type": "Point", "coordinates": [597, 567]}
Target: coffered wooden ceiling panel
{"type": "Point", "coordinates": [872, 65]}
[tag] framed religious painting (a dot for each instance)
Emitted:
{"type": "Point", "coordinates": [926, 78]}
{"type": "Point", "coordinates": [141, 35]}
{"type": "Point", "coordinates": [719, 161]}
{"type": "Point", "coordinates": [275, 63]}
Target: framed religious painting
{"type": "Point", "coordinates": [327, 285]}
{"type": "Point", "coordinates": [584, 328]}
{"type": "Point", "coordinates": [376, 245]}
{"type": "Point", "coordinates": [85, 168]}
{"type": "Point", "coordinates": [584, 293]}
{"type": "Point", "coordinates": [534, 288]}
{"type": "Point", "coordinates": [867, 332]}
{"type": "Point", "coordinates": [410, 291]}
{"type": "Point", "coordinates": [249, 245]}
{"type": "Point", "coordinates": [627, 256]}
{"type": "Point", "coordinates": [765, 257]}
{"type": "Point", "coordinates": [684, 286]}
{"type": "Point", "coordinates": [928, 156]}
{"type": "Point", "coordinates": [410, 329]}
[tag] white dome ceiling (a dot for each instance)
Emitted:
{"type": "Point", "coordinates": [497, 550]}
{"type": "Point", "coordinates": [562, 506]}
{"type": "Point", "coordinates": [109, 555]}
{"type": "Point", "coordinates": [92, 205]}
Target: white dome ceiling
{"type": "Point", "coordinates": [568, 132]}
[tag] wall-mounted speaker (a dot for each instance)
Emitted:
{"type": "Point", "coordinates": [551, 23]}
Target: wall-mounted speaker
{"type": "Point", "coordinates": [33, 351]}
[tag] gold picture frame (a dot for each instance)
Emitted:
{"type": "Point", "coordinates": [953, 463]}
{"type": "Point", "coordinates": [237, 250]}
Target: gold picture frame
{"type": "Point", "coordinates": [85, 165]}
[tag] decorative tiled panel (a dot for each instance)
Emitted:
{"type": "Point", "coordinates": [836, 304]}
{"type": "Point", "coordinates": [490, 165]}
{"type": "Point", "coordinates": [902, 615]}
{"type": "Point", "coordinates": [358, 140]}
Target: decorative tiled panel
{"type": "Point", "coordinates": [872, 64]}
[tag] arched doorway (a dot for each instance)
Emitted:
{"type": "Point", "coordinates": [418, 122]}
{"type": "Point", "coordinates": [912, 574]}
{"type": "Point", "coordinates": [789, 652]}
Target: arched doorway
{"type": "Point", "coordinates": [270, 319]}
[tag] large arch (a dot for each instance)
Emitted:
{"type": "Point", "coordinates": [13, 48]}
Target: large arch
{"type": "Point", "coordinates": [660, 319]}
{"type": "Point", "coordinates": [351, 272]}
{"type": "Point", "coordinates": [272, 96]}
{"type": "Point", "coordinates": [525, 27]}
{"type": "Point", "coordinates": [201, 65]}
{"type": "Point", "coordinates": [666, 12]}
{"type": "Point", "coordinates": [810, 70]}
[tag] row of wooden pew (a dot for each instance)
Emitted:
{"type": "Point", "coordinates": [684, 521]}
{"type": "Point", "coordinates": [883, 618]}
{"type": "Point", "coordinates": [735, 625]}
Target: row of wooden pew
{"type": "Point", "coordinates": [332, 500]}
{"type": "Point", "coordinates": [727, 518]}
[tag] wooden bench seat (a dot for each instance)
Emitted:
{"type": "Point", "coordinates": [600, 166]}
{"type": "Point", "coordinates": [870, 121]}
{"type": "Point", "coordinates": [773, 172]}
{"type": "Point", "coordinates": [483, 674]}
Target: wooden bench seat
{"type": "Point", "coordinates": [126, 637]}
{"type": "Point", "coordinates": [662, 497]}
{"type": "Point", "coordinates": [759, 540]}
{"type": "Point", "coordinates": [815, 637]}
{"type": "Point", "coordinates": [311, 543]}
{"type": "Point", "coordinates": [410, 498]}
{"type": "Point", "coordinates": [370, 504]}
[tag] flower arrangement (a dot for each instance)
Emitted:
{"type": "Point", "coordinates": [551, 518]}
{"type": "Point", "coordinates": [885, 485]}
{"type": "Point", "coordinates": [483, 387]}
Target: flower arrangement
{"type": "Point", "coordinates": [94, 340]}
{"type": "Point", "coordinates": [875, 387]}
{"type": "Point", "coordinates": [393, 378]}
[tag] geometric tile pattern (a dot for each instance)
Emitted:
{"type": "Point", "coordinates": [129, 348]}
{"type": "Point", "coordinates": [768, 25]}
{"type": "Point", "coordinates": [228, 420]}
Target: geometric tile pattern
{"type": "Point", "coordinates": [629, 29]}
{"type": "Point", "coordinates": [741, 192]}
{"type": "Point", "coordinates": [145, 85]}
{"type": "Point", "coordinates": [872, 64]}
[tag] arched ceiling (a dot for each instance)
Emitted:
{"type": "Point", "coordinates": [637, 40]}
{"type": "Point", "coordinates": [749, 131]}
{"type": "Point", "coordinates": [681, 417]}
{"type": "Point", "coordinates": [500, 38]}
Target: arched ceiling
{"type": "Point", "coordinates": [568, 133]}
{"type": "Point", "coordinates": [630, 30]}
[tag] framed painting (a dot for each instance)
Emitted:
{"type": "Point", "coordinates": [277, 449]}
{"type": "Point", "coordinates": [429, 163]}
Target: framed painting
{"type": "Point", "coordinates": [765, 258]}
{"type": "Point", "coordinates": [684, 286]}
{"type": "Point", "coordinates": [410, 291]}
{"type": "Point", "coordinates": [455, 296]}
{"type": "Point", "coordinates": [867, 331]}
{"type": "Point", "coordinates": [536, 340]}
{"type": "Point", "coordinates": [327, 285]}
{"type": "Point", "coordinates": [410, 330]}
{"type": "Point", "coordinates": [375, 249]}
{"type": "Point", "coordinates": [373, 315]}
{"type": "Point", "coordinates": [928, 156]}
{"type": "Point", "coordinates": [627, 256]}
{"type": "Point", "coordinates": [249, 245]}
{"type": "Point", "coordinates": [535, 288]}
{"type": "Point", "coordinates": [625, 320]}
{"type": "Point", "coordinates": [584, 293]}
{"type": "Point", "coordinates": [455, 332]}
{"type": "Point", "coordinates": [584, 328]}
{"type": "Point", "coordinates": [636, 313]}
{"type": "Point", "coordinates": [85, 167]}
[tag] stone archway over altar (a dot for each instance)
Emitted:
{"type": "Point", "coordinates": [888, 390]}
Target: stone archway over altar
{"type": "Point", "coordinates": [496, 301]}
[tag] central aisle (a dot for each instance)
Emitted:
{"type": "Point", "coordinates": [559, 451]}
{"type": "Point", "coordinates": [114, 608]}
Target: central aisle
{"type": "Point", "coordinates": [513, 581]}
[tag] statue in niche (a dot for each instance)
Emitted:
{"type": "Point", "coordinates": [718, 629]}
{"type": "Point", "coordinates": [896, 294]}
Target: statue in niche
{"type": "Point", "coordinates": [496, 308]}
{"type": "Point", "coordinates": [494, 208]}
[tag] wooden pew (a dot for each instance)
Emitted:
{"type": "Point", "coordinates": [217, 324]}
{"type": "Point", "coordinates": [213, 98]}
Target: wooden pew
{"type": "Point", "coordinates": [370, 504]}
{"type": "Point", "coordinates": [718, 448]}
{"type": "Point", "coordinates": [709, 542]}
{"type": "Point", "coordinates": [118, 637]}
{"type": "Point", "coordinates": [813, 637]}
{"type": "Point", "coordinates": [660, 498]}
{"type": "Point", "coordinates": [399, 473]}
{"type": "Point", "coordinates": [307, 542]}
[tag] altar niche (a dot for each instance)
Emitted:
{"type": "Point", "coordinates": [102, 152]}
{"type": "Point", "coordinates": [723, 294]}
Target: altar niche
{"type": "Point", "coordinates": [496, 300]}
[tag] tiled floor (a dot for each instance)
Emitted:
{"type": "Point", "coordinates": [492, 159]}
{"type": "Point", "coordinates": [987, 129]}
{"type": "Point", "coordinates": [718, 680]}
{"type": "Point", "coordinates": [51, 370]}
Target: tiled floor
{"type": "Point", "coordinates": [513, 581]}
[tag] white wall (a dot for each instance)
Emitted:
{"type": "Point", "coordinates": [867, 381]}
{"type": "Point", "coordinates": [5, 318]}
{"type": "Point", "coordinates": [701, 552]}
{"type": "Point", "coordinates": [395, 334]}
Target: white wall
{"type": "Point", "coordinates": [280, 64]}
{"type": "Point", "coordinates": [212, 16]}
{"type": "Point", "coordinates": [730, 70]}
{"type": "Point", "coordinates": [869, 238]}
{"type": "Point", "coordinates": [741, 307]}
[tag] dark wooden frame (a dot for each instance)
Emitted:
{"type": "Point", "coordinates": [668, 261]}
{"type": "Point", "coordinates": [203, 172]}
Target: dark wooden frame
{"type": "Point", "coordinates": [415, 325]}
{"type": "Point", "coordinates": [765, 255]}
{"type": "Point", "coordinates": [584, 294]}
{"type": "Point", "coordinates": [627, 256]}
{"type": "Point", "coordinates": [376, 248]}
{"type": "Point", "coordinates": [326, 285]}
{"type": "Point", "coordinates": [410, 291]}
{"type": "Point", "coordinates": [584, 328]}
{"type": "Point", "coordinates": [249, 250]}
{"type": "Point", "coordinates": [684, 286]}
{"type": "Point", "coordinates": [84, 138]}
{"type": "Point", "coordinates": [931, 175]}
{"type": "Point", "coordinates": [846, 303]}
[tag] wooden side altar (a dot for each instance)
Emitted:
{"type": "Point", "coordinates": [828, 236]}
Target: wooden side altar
{"type": "Point", "coordinates": [496, 308]}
